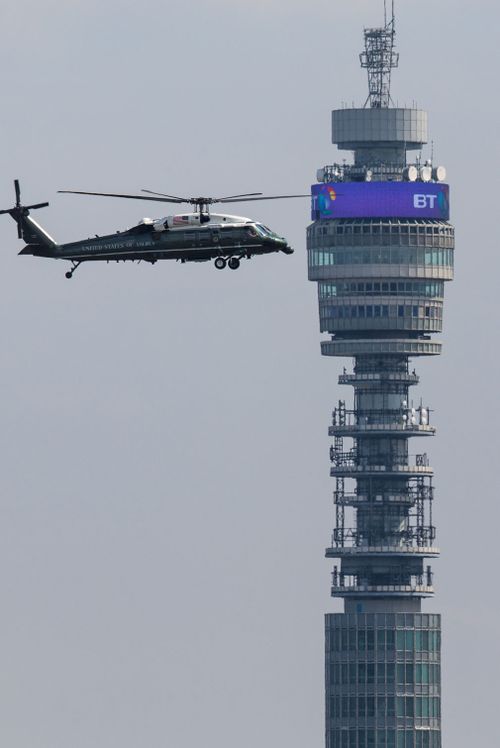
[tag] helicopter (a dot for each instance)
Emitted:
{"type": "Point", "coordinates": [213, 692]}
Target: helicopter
{"type": "Point", "coordinates": [188, 237]}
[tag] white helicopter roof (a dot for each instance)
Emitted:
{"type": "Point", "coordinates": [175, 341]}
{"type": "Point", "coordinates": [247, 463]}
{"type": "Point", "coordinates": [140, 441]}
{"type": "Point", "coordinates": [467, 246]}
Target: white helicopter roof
{"type": "Point", "coordinates": [224, 218]}
{"type": "Point", "coordinates": [183, 220]}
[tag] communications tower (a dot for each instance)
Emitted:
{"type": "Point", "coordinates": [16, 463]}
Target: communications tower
{"type": "Point", "coordinates": [380, 249]}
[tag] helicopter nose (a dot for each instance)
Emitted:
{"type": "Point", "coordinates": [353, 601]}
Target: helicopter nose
{"type": "Point", "coordinates": [285, 247]}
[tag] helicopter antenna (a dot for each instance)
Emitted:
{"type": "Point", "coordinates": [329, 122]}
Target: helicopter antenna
{"type": "Point", "coordinates": [379, 58]}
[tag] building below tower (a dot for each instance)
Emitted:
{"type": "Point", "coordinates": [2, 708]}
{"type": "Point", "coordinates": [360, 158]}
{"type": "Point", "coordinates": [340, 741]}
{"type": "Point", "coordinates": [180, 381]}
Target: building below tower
{"type": "Point", "coordinates": [383, 675]}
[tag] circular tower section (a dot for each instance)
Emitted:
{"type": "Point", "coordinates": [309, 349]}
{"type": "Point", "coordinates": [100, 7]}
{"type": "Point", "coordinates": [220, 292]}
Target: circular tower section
{"type": "Point", "coordinates": [380, 249]}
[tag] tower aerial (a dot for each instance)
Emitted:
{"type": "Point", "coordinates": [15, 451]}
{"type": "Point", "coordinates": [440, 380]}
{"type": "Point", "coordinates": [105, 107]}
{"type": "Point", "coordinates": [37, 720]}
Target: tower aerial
{"type": "Point", "coordinates": [381, 249]}
{"type": "Point", "coordinates": [379, 58]}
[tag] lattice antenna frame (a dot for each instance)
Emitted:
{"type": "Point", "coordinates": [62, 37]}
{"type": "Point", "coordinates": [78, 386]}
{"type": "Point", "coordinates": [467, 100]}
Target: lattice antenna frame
{"type": "Point", "coordinates": [379, 58]}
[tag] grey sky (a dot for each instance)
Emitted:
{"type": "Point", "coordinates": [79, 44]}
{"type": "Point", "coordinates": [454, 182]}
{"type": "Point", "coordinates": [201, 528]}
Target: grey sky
{"type": "Point", "coordinates": [165, 494]}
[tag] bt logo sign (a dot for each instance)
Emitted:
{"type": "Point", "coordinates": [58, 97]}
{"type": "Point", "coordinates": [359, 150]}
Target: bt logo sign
{"type": "Point", "coordinates": [424, 201]}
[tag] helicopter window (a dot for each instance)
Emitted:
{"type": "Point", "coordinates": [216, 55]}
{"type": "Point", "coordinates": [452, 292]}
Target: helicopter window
{"type": "Point", "coordinates": [263, 230]}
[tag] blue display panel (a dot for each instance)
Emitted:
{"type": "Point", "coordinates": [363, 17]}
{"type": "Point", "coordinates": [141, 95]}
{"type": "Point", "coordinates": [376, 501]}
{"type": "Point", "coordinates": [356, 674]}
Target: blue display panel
{"type": "Point", "coordinates": [380, 200]}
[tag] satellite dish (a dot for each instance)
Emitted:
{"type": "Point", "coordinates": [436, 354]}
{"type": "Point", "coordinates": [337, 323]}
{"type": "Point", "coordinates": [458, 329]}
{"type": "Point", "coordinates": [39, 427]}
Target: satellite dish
{"type": "Point", "coordinates": [368, 175]}
{"type": "Point", "coordinates": [439, 173]}
{"type": "Point", "coordinates": [425, 173]}
{"type": "Point", "coordinates": [411, 173]}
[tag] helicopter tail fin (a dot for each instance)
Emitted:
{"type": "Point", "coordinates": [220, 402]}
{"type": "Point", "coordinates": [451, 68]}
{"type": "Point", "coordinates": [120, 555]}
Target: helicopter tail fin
{"type": "Point", "coordinates": [37, 239]}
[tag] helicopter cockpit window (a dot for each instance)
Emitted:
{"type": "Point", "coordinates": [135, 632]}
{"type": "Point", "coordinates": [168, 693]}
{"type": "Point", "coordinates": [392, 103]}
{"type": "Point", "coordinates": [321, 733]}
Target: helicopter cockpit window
{"type": "Point", "coordinates": [262, 230]}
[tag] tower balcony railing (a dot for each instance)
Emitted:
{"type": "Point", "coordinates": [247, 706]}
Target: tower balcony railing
{"type": "Point", "coordinates": [383, 425]}
{"type": "Point", "coordinates": [361, 500]}
{"type": "Point", "coordinates": [409, 418]}
{"type": "Point", "coordinates": [398, 584]}
{"type": "Point", "coordinates": [357, 471]}
{"type": "Point", "coordinates": [352, 172]}
{"type": "Point", "coordinates": [391, 460]}
{"type": "Point", "coordinates": [409, 498]}
{"type": "Point", "coordinates": [350, 464]}
{"type": "Point", "coordinates": [391, 590]}
{"type": "Point", "coordinates": [414, 535]}
{"type": "Point", "coordinates": [423, 551]}
{"type": "Point", "coordinates": [390, 376]}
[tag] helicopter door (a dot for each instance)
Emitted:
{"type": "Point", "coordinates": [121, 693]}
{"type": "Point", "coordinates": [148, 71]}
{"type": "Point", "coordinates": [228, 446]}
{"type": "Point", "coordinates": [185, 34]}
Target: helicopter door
{"type": "Point", "coordinates": [216, 237]}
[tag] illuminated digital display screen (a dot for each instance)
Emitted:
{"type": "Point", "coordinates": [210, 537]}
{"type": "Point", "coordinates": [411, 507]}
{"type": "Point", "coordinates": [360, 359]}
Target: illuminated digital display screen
{"type": "Point", "coordinates": [380, 200]}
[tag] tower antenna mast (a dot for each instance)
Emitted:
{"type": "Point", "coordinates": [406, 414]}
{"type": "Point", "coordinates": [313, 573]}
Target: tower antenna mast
{"type": "Point", "coordinates": [379, 58]}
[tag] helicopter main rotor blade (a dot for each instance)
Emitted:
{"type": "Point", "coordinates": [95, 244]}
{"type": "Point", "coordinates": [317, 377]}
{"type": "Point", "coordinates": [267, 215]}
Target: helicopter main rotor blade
{"type": "Point", "coordinates": [18, 192]}
{"type": "Point", "coordinates": [199, 199]}
{"type": "Point", "coordinates": [172, 197]}
{"type": "Point", "coordinates": [233, 197]}
{"type": "Point", "coordinates": [128, 197]}
{"type": "Point", "coordinates": [159, 197]}
{"type": "Point", "coordinates": [252, 199]}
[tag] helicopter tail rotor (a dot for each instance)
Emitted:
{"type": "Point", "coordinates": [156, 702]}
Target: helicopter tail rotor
{"type": "Point", "coordinates": [19, 212]}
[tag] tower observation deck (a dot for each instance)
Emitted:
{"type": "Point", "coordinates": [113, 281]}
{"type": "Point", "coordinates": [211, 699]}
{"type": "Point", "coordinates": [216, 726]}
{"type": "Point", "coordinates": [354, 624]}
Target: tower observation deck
{"type": "Point", "coordinates": [380, 249]}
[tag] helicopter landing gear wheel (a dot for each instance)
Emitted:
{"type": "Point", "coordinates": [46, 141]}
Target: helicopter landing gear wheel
{"type": "Point", "coordinates": [220, 263]}
{"type": "Point", "coordinates": [234, 263]}
{"type": "Point", "coordinates": [69, 274]}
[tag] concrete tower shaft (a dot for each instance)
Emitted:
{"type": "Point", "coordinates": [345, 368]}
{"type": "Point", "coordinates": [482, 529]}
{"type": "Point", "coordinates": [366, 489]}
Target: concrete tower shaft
{"type": "Point", "coordinates": [380, 249]}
